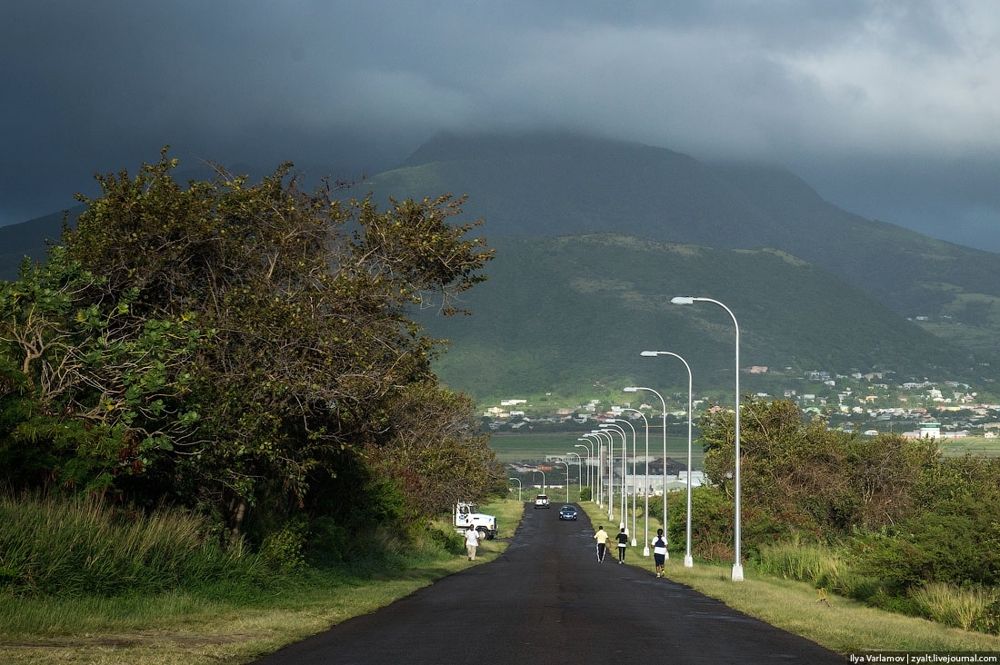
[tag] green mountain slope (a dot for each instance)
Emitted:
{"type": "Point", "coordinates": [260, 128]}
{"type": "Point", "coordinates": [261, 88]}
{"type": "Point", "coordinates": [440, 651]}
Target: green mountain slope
{"type": "Point", "coordinates": [559, 184]}
{"type": "Point", "coordinates": [575, 310]}
{"type": "Point", "coordinates": [595, 235]}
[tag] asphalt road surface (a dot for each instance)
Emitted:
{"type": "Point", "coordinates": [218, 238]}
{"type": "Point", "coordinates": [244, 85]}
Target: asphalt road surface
{"type": "Point", "coordinates": [548, 601]}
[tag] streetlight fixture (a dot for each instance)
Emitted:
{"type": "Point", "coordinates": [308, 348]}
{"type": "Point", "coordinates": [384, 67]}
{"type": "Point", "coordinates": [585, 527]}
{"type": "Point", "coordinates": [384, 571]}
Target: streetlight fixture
{"type": "Point", "coordinates": [567, 477]}
{"type": "Point", "coordinates": [590, 453]}
{"type": "Point", "coordinates": [579, 477]}
{"type": "Point", "coordinates": [518, 487]}
{"type": "Point", "coordinates": [688, 560]}
{"type": "Point", "coordinates": [632, 389]}
{"type": "Point", "coordinates": [689, 300]}
{"type": "Point", "coordinates": [611, 427]}
{"type": "Point", "coordinates": [620, 420]}
{"type": "Point", "coordinates": [599, 471]}
{"type": "Point", "coordinates": [645, 488]}
{"type": "Point", "coordinates": [611, 469]}
{"type": "Point", "coordinates": [543, 478]}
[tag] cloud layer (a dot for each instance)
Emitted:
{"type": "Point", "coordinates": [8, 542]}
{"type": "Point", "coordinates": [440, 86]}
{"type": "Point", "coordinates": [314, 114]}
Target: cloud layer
{"type": "Point", "coordinates": [888, 109]}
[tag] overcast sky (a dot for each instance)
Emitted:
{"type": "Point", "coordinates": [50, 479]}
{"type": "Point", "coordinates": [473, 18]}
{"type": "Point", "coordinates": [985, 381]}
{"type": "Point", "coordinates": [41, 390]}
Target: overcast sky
{"type": "Point", "coordinates": [889, 109]}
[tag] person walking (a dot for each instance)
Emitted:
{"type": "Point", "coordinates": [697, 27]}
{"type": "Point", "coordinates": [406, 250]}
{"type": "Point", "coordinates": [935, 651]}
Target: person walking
{"type": "Point", "coordinates": [622, 538]}
{"type": "Point", "coordinates": [602, 543]}
{"type": "Point", "coordinates": [659, 551]}
{"type": "Point", "coordinates": [471, 542]}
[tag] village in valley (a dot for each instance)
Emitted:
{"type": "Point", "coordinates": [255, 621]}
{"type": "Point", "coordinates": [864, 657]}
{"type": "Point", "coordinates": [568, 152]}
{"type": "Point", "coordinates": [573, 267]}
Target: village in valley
{"type": "Point", "coordinates": [867, 404]}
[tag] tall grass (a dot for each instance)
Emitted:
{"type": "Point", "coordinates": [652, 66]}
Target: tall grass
{"type": "Point", "coordinates": [968, 609]}
{"type": "Point", "coordinates": [821, 566]}
{"type": "Point", "coordinates": [75, 547]}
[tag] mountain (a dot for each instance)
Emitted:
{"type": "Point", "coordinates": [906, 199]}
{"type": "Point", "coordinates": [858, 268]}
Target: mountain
{"type": "Point", "coordinates": [558, 184]}
{"type": "Point", "coordinates": [559, 312]}
{"type": "Point", "coordinates": [30, 239]}
{"type": "Point", "coordinates": [593, 237]}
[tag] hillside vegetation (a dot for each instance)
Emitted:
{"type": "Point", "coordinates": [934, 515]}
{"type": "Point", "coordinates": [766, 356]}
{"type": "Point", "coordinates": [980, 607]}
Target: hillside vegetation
{"type": "Point", "coordinates": [555, 184]}
{"type": "Point", "coordinates": [559, 313]}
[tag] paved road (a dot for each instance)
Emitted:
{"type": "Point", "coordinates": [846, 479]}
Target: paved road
{"type": "Point", "coordinates": [548, 601]}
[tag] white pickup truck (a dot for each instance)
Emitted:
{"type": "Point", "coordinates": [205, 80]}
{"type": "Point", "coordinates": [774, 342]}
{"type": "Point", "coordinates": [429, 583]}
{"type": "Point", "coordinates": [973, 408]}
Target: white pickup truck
{"type": "Point", "coordinates": [467, 517]}
{"type": "Point", "coordinates": [542, 501]}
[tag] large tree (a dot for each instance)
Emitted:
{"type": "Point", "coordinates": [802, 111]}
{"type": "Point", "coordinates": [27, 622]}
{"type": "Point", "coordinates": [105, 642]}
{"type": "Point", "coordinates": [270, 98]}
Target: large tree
{"type": "Point", "coordinates": [275, 326]}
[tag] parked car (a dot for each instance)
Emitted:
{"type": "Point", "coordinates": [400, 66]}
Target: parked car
{"type": "Point", "coordinates": [542, 501]}
{"type": "Point", "coordinates": [567, 513]}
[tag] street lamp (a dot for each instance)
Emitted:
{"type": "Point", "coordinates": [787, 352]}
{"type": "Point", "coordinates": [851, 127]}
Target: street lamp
{"type": "Point", "coordinates": [590, 453]}
{"type": "Point", "coordinates": [543, 478]}
{"type": "Point", "coordinates": [688, 560]}
{"type": "Point", "coordinates": [518, 487]}
{"type": "Point", "coordinates": [615, 428]}
{"type": "Point", "coordinates": [645, 488]}
{"type": "Point", "coordinates": [567, 478]}
{"type": "Point", "coordinates": [632, 389]}
{"type": "Point", "coordinates": [619, 420]}
{"type": "Point", "coordinates": [579, 477]}
{"type": "Point", "coordinates": [611, 470]}
{"type": "Point", "coordinates": [689, 300]}
{"type": "Point", "coordinates": [599, 471]}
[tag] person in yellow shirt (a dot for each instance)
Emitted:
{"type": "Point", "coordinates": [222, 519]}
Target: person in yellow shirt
{"type": "Point", "coordinates": [602, 543]}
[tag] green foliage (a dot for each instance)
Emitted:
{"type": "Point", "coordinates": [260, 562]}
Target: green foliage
{"type": "Point", "coordinates": [801, 478]}
{"type": "Point", "coordinates": [243, 349]}
{"type": "Point", "coordinates": [965, 608]}
{"type": "Point", "coordinates": [906, 522]}
{"type": "Point", "coordinates": [592, 285]}
{"type": "Point", "coordinates": [81, 547]}
{"type": "Point", "coordinates": [284, 548]}
{"type": "Point", "coordinates": [951, 537]}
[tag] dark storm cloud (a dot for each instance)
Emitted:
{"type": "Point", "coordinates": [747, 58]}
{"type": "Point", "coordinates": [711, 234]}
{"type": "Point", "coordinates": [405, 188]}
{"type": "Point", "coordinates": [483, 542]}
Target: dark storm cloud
{"type": "Point", "coordinates": [888, 109]}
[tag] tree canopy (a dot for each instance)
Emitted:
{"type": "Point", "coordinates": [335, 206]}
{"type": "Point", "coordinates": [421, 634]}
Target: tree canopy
{"type": "Point", "coordinates": [226, 344]}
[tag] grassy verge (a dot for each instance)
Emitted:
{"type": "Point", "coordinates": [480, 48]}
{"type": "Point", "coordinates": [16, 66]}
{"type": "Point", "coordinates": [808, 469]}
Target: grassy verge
{"type": "Point", "coordinates": [218, 624]}
{"type": "Point", "coordinates": [842, 625]}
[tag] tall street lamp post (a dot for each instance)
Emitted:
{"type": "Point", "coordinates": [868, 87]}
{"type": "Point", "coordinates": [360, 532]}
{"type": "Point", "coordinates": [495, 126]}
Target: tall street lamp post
{"type": "Point", "coordinates": [611, 427]}
{"type": "Point", "coordinates": [543, 478]}
{"type": "Point", "coordinates": [634, 474]}
{"type": "Point", "coordinates": [599, 471]}
{"type": "Point", "coordinates": [590, 454]}
{"type": "Point", "coordinates": [688, 300]}
{"type": "Point", "coordinates": [645, 488]}
{"type": "Point", "coordinates": [688, 560]}
{"type": "Point", "coordinates": [579, 477]}
{"type": "Point", "coordinates": [632, 389]}
{"type": "Point", "coordinates": [518, 487]}
{"type": "Point", "coordinates": [611, 470]}
{"type": "Point", "coordinates": [567, 478]}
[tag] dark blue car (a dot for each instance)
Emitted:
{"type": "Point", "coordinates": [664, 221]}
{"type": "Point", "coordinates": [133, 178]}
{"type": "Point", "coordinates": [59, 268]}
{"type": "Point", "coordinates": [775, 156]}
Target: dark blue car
{"type": "Point", "coordinates": [567, 513]}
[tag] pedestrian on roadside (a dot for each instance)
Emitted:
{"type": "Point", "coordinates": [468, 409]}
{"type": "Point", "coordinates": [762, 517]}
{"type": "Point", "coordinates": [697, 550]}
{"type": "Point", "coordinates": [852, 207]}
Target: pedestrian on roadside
{"type": "Point", "coordinates": [659, 551]}
{"type": "Point", "coordinates": [471, 542]}
{"type": "Point", "coordinates": [602, 543]}
{"type": "Point", "coordinates": [622, 544]}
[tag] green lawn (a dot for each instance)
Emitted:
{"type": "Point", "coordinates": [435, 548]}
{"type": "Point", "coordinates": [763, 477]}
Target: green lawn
{"type": "Point", "coordinates": [531, 446]}
{"type": "Point", "coordinates": [973, 445]}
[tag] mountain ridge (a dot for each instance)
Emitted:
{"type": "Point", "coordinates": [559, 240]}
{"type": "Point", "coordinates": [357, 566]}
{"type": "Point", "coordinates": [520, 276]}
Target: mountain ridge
{"type": "Point", "coordinates": [920, 304]}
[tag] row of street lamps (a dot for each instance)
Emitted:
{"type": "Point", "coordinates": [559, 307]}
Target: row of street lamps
{"type": "Point", "coordinates": [594, 441]}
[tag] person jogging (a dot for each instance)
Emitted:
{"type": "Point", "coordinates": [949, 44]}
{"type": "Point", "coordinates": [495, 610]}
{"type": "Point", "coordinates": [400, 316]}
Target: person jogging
{"type": "Point", "coordinates": [602, 543]}
{"type": "Point", "coordinates": [622, 538]}
{"type": "Point", "coordinates": [659, 551]}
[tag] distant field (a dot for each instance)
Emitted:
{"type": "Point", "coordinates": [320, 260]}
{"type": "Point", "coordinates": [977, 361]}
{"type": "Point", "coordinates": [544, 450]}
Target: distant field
{"type": "Point", "coordinates": [518, 447]}
{"type": "Point", "coordinates": [973, 445]}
